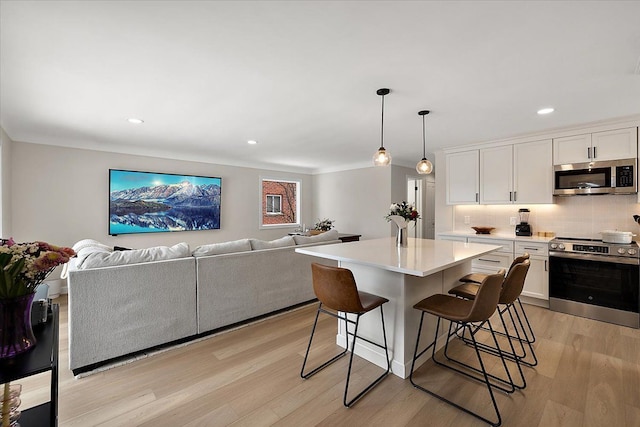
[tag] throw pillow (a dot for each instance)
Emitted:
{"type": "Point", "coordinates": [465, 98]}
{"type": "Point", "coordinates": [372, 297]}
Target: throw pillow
{"type": "Point", "coordinates": [322, 237]}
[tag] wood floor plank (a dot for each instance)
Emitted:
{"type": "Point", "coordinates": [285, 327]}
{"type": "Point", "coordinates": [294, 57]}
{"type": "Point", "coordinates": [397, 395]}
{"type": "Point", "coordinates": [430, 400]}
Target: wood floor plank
{"type": "Point", "coordinates": [604, 392]}
{"type": "Point", "coordinates": [556, 414]}
{"type": "Point", "coordinates": [588, 375]}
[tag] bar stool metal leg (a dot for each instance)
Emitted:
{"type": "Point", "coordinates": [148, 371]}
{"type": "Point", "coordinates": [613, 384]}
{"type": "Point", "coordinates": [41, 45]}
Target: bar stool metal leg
{"type": "Point", "coordinates": [486, 381]}
{"type": "Point", "coordinates": [346, 402]}
{"type": "Point", "coordinates": [353, 347]}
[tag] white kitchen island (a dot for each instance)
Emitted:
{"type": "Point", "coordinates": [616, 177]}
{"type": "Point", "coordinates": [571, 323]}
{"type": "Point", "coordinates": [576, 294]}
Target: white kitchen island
{"type": "Point", "coordinates": [403, 275]}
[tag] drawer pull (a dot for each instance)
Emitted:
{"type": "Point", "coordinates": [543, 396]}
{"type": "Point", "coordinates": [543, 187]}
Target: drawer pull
{"type": "Point", "coordinates": [488, 260]}
{"type": "Point", "coordinates": [532, 249]}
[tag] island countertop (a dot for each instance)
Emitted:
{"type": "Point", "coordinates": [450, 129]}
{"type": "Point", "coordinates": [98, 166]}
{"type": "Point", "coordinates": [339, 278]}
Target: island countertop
{"type": "Point", "coordinates": [421, 257]}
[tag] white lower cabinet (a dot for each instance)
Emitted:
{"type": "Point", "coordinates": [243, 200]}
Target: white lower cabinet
{"type": "Point", "coordinates": [494, 261]}
{"type": "Point", "coordinates": [453, 238]}
{"type": "Point", "coordinates": [537, 283]}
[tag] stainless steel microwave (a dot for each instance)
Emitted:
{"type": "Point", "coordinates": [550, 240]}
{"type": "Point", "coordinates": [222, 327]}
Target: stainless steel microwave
{"type": "Point", "coordinates": [607, 177]}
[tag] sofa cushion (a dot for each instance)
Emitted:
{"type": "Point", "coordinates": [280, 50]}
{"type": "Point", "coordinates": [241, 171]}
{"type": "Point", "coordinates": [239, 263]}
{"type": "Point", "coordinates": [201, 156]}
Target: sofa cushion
{"type": "Point", "coordinates": [87, 246]}
{"type": "Point", "coordinates": [322, 237]}
{"type": "Point", "coordinates": [158, 253]}
{"type": "Point", "coordinates": [241, 245]}
{"type": "Point", "coordinates": [282, 242]}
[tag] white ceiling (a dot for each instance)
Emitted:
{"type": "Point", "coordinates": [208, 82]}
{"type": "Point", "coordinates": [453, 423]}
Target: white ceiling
{"type": "Point", "coordinates": [301, 77]}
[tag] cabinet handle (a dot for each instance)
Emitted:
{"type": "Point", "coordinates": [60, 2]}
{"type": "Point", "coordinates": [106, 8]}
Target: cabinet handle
{"type": "Point", "coordinates": [514, 196]}
{"type": "Point", "coordinates": [588, 152]}
{"type": "Point", "coordinates": [545, 265]}
{"type": "Point", "coordinates": [531, 249]}
{"type": "Point", "coordinates": [488, 260]}
{"type": "Point", "coordinates": [594, 153]}
{"type": "Point", "coordinates": [511, 196]}
{"type": "Point", "coordinates": [477, 197]}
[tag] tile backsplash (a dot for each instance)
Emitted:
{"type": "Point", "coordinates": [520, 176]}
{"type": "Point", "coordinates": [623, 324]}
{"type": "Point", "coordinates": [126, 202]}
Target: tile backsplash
{"type": "Point", "coordinates": [575, 216]}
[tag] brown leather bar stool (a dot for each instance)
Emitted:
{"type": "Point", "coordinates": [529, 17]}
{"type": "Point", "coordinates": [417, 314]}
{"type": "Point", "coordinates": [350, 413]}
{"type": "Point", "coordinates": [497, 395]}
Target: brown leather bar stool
{"type": "Point", "coordinates": [336, 289]}
{"type": "Point", "coordinates": [476, 278]}
{"type": "Point", "coordinates": [464, 313]}
{"type": "Point", "coordinates": [511, 289]}
{"type": "Point", "coordinates": [511, 294]}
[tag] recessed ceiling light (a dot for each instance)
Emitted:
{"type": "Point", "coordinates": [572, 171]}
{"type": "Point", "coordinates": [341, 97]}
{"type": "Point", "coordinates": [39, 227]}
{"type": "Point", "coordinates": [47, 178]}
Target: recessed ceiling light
{"type": "Point", "coordinates": [135, 121]}
{"type": "Point", "coordinates": [252, 142]}
{"type": "Point", "coordinates": [545, 111]}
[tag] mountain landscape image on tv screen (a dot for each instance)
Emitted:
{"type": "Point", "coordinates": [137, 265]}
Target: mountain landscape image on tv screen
{"type": "Point", "coordinates": [147, 202]}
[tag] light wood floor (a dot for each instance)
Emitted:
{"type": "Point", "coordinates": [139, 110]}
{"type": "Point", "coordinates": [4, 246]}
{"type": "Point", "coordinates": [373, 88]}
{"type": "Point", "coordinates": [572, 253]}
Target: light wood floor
{"type": "Point", "coordinates": [588, 375]}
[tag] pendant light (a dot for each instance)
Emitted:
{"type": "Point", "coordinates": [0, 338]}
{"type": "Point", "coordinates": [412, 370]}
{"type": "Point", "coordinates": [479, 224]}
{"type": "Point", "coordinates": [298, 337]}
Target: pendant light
{"type": "Point", "coordinates": [382, 156]}
{"type": "Point", "coordinates": [424, 166]}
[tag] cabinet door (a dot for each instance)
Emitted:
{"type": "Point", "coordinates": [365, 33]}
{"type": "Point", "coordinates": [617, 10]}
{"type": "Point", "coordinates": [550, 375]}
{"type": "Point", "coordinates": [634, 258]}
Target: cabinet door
{"type": "Point", "coordinates": [536, 285]}
{"type": "Point", "coordinates": [453, 238]}
{"type": "Point", "coordinates": [572, 149]}
{"type": "Point", "coordinates": [615, 144]}
{"type": "Point", "coordinates": [462, 178]}
{"type": "Point", "coordinates": [496, 175]}
{"type": "Point", "coordinates": [491, 263]}
{"type": "Point", "coordinates": [533, 172]}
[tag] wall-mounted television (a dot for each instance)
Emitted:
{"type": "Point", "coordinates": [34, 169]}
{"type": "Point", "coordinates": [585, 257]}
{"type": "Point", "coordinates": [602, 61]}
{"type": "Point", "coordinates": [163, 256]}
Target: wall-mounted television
{"type": "Point", "coordinates": [149, 202]}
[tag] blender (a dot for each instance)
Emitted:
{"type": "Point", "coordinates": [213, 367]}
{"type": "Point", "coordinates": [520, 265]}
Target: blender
{"type": "Point", "coordinates": [523, 228]}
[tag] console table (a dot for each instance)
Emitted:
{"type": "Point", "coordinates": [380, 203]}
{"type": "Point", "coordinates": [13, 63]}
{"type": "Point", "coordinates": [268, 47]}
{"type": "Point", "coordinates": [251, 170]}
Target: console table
{"type": "Point", "coordinates": [41, 358]}
{"type": "Point", "coordinates": [344, 237]}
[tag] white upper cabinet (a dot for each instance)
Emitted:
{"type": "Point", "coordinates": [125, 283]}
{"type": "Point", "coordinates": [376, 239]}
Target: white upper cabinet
{"type": "Point", "coordinates": [496, 175]}
{"type": "Point", "coordinates": [462, 178]}
{"type": "Point", "coordinates": [519, 173]}
{"type": "Point", "coordinates": [598, 146]}
{"type": "Point", "coordinates": [533, 172]}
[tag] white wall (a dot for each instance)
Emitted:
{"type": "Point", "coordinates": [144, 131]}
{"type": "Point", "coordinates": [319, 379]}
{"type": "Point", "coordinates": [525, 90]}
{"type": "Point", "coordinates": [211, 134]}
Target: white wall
{"type": "Point", "coordinates": [359, 199]}
{"type": "Point", "coordinates": [5, 184]}
{"type": "Point", "coordinates": [60, 195]}
{"type": "Point", "coordinates": [356, 199]}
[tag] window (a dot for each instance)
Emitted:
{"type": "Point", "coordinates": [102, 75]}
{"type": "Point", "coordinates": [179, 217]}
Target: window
{"type": "Point", "coordinates": [274, 204]}
{"type": "Point", "coordinates": [280, 202]}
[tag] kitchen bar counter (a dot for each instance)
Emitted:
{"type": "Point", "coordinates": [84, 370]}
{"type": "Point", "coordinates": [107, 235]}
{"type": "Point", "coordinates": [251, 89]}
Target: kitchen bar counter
{"type": "Point", "coordinates": [502, 236]}
{"type": "Point", "coordinates": [405, 276]}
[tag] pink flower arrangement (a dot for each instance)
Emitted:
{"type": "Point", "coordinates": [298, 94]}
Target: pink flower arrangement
{"type": "Point", "coordinates": [23, 266]}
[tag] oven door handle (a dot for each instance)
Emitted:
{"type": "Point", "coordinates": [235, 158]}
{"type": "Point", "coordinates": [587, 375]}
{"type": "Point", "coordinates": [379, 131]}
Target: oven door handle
{"type": "Point", "coordinates": [593, 257]}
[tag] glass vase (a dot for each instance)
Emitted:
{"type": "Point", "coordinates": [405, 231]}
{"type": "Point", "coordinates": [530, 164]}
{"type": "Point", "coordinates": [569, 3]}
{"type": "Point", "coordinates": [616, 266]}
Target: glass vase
{"type": "Point", "coordinates": [16, 335]}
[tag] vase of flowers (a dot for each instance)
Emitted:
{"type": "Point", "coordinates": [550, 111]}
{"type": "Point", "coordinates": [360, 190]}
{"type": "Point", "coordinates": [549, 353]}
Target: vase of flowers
{"type": "Point", "coordinates": [402, 214]}
{"type": "Point", "coordinates": [321, 226]}
{"type": "Point", "coordinates": [23, 266]}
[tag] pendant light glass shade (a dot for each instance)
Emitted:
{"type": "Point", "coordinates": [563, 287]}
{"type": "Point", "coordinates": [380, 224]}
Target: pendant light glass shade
{"type": "Point", "coordinates": [424, 166]}
{"type": "Point", "coordinates": [382, 156]}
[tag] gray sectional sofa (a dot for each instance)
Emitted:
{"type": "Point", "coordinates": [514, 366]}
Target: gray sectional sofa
{"type": "Point", "coordinates": [125, 302]}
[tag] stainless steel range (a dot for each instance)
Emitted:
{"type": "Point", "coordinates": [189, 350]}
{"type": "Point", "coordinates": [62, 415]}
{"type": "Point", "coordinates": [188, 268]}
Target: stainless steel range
{"type": "Point", "coordinates": [593, 279]}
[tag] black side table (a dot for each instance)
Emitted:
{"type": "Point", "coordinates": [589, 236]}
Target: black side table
{"type": "Point", "coordinates": [41, 358]}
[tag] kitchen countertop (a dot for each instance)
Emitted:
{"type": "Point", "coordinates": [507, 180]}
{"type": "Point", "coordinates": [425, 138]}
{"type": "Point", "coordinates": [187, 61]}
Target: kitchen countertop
{"type": "Point", "coordinates": [503, 236]}
{"type": "Point", "coordinates": [422, 257]}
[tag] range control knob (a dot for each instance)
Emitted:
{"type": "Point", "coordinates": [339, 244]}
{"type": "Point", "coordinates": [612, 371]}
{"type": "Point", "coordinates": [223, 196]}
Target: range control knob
{"type": "Point", "coordinates": [622, 251]}
{"type": "Point", "coordinates": [554, 246]}
{"type": "Point", "coordinates": [632, 251]}
{"type": "Point", "coordinates": [561, 246]}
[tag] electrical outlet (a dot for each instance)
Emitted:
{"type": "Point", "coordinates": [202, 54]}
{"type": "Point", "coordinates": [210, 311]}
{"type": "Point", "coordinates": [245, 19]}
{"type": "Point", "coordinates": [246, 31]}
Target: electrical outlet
{"type": "Point", "coordinates": [467, 219]}
{"type": "Point", "coordinates": [513, 220]}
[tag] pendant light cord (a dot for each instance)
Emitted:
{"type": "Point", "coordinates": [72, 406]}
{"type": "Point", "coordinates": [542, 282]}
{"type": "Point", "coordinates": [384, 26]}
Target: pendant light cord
{"type": "Point", "coordinates": [382, 125]}
{"type": "Point", "coordinates": [424, 152]}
